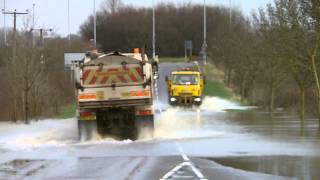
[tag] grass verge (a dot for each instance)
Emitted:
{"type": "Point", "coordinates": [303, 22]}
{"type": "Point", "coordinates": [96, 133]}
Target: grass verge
{"type": "Point", "coordinates": [214, 88]}
{"type": "Point", "coordinates": [67, 111]}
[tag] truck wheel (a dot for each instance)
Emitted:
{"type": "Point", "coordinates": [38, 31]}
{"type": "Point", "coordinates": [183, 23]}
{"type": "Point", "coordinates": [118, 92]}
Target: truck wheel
{"type": "Point", "coordinates": [86, 130]}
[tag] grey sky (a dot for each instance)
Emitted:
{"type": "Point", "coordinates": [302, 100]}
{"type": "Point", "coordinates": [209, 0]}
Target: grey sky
{"type": "Point", "coordinates": [53, 13]}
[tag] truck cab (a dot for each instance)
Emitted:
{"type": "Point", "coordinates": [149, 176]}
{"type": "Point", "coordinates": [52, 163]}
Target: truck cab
{"type": "Point", "coordinates": [185, 87]}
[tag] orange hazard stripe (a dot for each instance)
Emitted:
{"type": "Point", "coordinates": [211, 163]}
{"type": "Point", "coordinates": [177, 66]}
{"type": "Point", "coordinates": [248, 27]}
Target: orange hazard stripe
{"type": "Point", "coordinates": [140, 93]}
{"type": "Point", "coordinates": [87, 96]}
{"type": "Point", "coordinates": [139, 71]}
{"type": "Point", "coordinates": [133, 78]}
{"type": "Point", "coordinates": [122, 79]}
{"type": "Point", "coordinates": [86, 74]}
{"type": "Point", "coordinates": [104, 80]}
{"type": "Point", "coordinates": [133, 75]}
{"type": "Point", "coordinates": [93, 80]}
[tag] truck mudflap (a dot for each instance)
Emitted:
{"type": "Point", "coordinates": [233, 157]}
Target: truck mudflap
{"type": "Point", "coordinates": [145, 126]}
{"type": "Point", "coordinates": [87, 125]}
{"type": "Point", "coordinates": [87, 130]}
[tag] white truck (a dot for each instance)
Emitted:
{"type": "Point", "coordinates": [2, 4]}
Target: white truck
{"type": "Point", "coordinates": [115, 95]}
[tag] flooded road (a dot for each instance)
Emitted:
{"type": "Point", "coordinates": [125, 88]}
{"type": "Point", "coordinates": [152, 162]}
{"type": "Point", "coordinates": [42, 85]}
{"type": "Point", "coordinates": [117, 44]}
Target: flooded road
{"type": "Point", "coordinates": [282, 130]}
{"type": "Point", "coordinates": [218, 144]}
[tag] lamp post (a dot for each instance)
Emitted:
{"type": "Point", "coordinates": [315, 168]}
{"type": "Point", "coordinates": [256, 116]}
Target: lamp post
{"type": "Point", "coordinates": [204, 45]}
{"type": "Point", "coordinates": [230, 13]}
{"type": "Point", "coordinates": [153, 31]}
{"type": "Point", "coordinates": [33, 14]}
{"type": "Point", "coordinates": [69, 36]}
{"type": "Point", "coordinates": [94, 24]}
{"type": "Point", "coordinates": [4, 23]}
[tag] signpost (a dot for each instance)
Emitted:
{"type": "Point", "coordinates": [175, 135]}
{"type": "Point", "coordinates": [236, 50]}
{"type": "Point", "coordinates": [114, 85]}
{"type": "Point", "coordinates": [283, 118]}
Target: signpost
{"type": "Point", "coordinates": [70, 60]}
{"type": "Point", "coordinates": [187, 47]}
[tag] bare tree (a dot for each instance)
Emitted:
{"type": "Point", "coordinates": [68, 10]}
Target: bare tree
{"type": "Point", "coordinates": [112, 6]}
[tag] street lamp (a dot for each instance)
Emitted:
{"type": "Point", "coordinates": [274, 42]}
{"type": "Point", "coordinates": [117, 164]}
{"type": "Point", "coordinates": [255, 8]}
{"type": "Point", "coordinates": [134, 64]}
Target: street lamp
{"type": "Point", "coordinates": [153, 31]}
{"type": "Point", "coordinates": [204, 45]}
{"type": "Point", "coordinates": [4, 23]}
{"type": "Point", "coordinates": [33, 14]}
{"type": "Point", "coordinates": [95, 23]}
{"type": "Point", "coordinates": [230, 13]}
{"type": "Point", "coordinates": [69, 36]}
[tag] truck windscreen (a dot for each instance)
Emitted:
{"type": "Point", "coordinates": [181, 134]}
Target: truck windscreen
{"type": "Point", "coordinates": [185, 79]}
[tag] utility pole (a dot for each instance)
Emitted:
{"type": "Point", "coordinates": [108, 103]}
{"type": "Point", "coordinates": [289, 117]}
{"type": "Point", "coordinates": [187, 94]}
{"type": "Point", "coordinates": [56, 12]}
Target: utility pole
{"type": "Point", "coordinates": [41, 31]}
{"type": "Point", "coordinates": [13, 61]}
{"type": "Point", "coordinates": [95, 24]}
{"type": "Point", "coordinates": [230, 14]}
{"type": "Point", "coordinates": [4, 23]}
{"type": "Point", "coordinates": [204, 45]}
{"type": "Point", "coordinates": [14, 13]}
{"type": "Point", "coordinates": [33, 14]}
{"type": "Point", "coordinates": [33, 23]}
{"type": "Point", "coordinates": [153, 31]}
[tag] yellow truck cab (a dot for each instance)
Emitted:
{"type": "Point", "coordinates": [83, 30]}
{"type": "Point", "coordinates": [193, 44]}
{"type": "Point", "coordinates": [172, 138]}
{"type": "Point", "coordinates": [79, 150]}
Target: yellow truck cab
{"type": "Point", "coordinates": [185, 87]}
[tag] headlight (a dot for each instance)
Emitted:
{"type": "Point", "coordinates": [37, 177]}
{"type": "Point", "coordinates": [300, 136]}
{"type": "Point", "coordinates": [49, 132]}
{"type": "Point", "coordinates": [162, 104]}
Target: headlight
{"type": "Point", "coordinates": [173, 99]}
{"type": "Point", "coordinates": [197, 99]}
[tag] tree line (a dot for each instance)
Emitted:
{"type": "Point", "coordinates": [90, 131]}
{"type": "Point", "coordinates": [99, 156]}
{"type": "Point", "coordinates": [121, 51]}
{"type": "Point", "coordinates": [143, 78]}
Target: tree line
{"type": "Point", "coordinates": [271, 58]}
{"type": "Point", "coordinates": [122, 27]}
{"type": "Point", "coordinates": [34, 83]}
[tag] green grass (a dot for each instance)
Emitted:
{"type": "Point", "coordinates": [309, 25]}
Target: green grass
{"type": "Point", "coordinates": [213, 88]}
{"type": "Point", "coordinates": [68, 111]}
{"type": "Point", "coordinates": [171, 59]}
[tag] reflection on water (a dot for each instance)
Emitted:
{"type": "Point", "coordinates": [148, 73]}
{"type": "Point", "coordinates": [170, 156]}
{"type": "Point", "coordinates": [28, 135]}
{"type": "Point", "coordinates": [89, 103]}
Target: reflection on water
{"type": "Point", "coordinates": [276, 127]}
{"type": "Point", "coordinates": [304, 168]}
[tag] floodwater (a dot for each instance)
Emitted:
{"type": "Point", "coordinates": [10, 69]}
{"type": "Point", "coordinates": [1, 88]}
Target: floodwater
{"type": "Point", "coordinates": [280, 128]}
{"type": "Point", "coordinates": [241, 144]}
{"type": "Point", "coordinates": [223, 139]}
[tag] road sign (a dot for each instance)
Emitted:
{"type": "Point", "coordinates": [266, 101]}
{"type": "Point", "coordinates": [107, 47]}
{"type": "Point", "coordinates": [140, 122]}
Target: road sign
{"type": "Point", "coordinates": [71, 58]}
{"type": "Point", "coordinates": [188, 45]}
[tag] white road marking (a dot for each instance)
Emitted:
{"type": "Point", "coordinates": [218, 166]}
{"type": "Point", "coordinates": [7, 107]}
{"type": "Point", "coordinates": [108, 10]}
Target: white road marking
{"type": "Point", "coordinates": [186, 159]}
{"type": "Point", "coordinates": [187, 162]}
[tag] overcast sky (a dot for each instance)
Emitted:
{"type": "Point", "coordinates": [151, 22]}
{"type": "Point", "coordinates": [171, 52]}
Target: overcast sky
{"type": "Point", "coordinates": [53, 13]}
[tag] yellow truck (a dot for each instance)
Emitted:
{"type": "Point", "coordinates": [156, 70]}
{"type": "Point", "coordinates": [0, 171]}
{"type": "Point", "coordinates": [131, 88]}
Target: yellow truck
{"type": "Point", "coordinates": [186, 86]}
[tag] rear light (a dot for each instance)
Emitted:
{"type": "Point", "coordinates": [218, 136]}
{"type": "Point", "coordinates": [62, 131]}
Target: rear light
{"type": "Point", "coordinates": [144, 112]}
{"type": "Point", "coordinates": [139, 93]}
{"type": "Point", "coordinates": [87, 115]}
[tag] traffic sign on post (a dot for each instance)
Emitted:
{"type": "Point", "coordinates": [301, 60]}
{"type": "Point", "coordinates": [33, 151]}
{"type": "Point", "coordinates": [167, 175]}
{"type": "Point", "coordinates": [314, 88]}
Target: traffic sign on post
{"type": "Point", "coordinates": [71, 58]}
{"type": "Point", "coordinates": [187, 47]}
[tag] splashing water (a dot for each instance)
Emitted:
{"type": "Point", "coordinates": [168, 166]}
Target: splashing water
{"type": "Point", "coordinates": [174, 123]}
{"type": "Point", "coordinates": [41, 133]}
{"type": "Point", "coordinates": [218, 104]}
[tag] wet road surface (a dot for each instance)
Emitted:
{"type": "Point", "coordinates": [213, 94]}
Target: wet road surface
{"type": "Point", "coordinates": [218, 144]}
